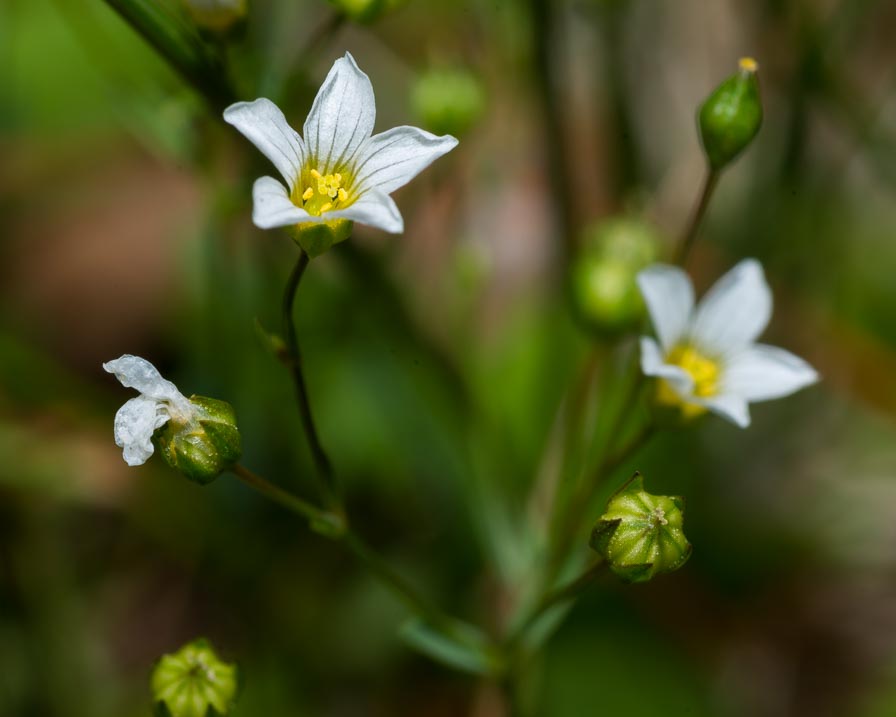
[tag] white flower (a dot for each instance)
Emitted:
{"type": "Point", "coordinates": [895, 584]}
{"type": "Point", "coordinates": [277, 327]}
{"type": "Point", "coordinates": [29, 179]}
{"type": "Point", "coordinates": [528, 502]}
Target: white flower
{"type": "Point", "coordinates": [339, 171]}
{"type": "Point", "coordinates": [707, 357]}
{"type": "Point", "coordinates": [138, 419]}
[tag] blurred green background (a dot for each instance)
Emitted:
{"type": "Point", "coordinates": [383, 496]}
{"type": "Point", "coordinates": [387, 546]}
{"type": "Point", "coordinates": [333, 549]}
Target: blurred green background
{"type": "Point", "coordinates": [438, 360]}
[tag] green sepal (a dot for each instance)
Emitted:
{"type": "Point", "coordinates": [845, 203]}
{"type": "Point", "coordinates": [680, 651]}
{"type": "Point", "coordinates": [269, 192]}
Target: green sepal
{"type": "Point", "coordinates": [731, 116]}
{"type": "Point", "coordinates": [458, 645]}
{"type": "Point", "coordinates": [205, 445]}
{"type": "Point", "coordinates": [640, 535]}
{"type": "Point", "coordinates": [315, 238]}
{"type": "Point", "coordinates": [272, 342]}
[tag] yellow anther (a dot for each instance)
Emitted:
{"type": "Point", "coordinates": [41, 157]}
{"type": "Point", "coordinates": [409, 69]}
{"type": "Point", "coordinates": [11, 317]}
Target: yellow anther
{"type": "Point", "coordinates": [343, 195]}
{"type": "Point", "coordinates": [748, 64]}
{"type": "Point", "coordinates": [338, 178]}
{"type": "Point", "coordinates": [326, 207]}
{"type": "Point", "coordinates": [314, 173]}
{"type": "Point", "coordinates": [704, 371]}
{"type": "Point", "coordinates": [308, 193]}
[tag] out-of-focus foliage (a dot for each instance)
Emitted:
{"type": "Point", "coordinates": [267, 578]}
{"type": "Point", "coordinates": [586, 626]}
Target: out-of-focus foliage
{"type": "Point", "coordinates": [440, 361]}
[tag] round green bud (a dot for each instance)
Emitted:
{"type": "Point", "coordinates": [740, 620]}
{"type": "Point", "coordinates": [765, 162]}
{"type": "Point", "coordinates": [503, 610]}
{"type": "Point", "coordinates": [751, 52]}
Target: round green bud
{"type": "Point", "coordinates": [218, 16]}
{"type": "Point", "coordinates": [365, 11]}
{"type": "Point", "coordinates": [640, 535]}
{"type": "Point", "coordinates": [315, 238]}
{"type": "Point", "coordinates": [194, 682]}
{"type": "Point", "coordinates": [731, 116]}
{"type": "Point", "coordinates": [203, 444]}
{"type": "Point", "coordinates": [603, 275]}
{"type": "Point", "coordinates": [448, 101]}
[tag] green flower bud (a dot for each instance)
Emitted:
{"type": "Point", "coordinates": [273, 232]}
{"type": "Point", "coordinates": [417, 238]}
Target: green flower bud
{"type": "Point", "coordinates": [640, 535]}
{"type": "Point", "coordinates": [365, 11]}
{"type": "Point", "coordinates": [448, 101]}
{"type": "Point", "coordinates": [604, 274]}
{"type": "Point", "coordinates": [731, 116]}
{"type": "Point", "coordinates": [317, 237]}
{"type": "Point", "coordinates": [216, 15]}
{"type": "Point", "coordinates": [194, 682]}
{"type": "Point", "coordinates": [203, 443]}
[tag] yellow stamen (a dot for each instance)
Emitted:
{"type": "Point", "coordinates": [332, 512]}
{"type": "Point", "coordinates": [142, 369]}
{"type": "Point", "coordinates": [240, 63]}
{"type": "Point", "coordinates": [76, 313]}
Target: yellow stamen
{"type": "Point", "coordinates": [748, 64]}
{"type": "Point", "coordinates": [704, 371]}
{"type": "Point", "coordinates": [321, 192]}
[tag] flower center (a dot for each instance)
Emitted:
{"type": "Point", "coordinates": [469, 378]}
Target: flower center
{"type": "Point", "coordinates": [317, 193]}
{"type": "Point", "coordinates": [703, 370]}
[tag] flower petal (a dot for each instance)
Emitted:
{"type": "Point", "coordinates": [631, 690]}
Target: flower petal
{"type": "Point", "coordinates": [374, 209]}
{"type": "Point", "coordinates": [136, 372]}
{"type": "Point", "coordinates": [765, 372]}
{"type": "Point", "coordinates": [729, 406]}
{"type": "Point", "coordinates": [135, 423]}
{"type": "Point", "coordinates": [263, 124]}
{"type": "Point", "coordinates": [669, 296]}
{"type": "Point", "coordinates": [393, 158]}
{"type": "Point", "coordinates": [272, 207]}
{"type": "Point", "coordinates": [341, 117]}
{"type": "Point", "coordinates": [652, 364]}
{"type": "Point", "coordinates": [735, 311]}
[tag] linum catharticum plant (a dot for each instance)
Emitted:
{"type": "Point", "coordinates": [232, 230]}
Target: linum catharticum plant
{"type": "Point", "coordinates": [702, 358]}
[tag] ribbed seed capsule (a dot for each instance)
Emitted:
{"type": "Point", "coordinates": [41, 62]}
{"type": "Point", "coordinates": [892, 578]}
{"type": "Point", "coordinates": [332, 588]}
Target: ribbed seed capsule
{"type": "Point", "coordinates": [194, 682]}
{"type": "Point", "coordinates": [640, 535]}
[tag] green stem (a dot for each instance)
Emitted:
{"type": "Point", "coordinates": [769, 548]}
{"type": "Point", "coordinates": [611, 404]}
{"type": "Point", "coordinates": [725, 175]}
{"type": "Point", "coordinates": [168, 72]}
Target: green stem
{"type": "Point", "coordinates": [335, 526]}
{"type": "Point", "coordinates": [399, 587]}
{"type": "Point", "coordinates": [690, 234]}
{"type": "Point", "coordinates": [547, 45]}
{"type": "Point", "coordinates": [584, 496]}
{"type": "Point", "coordinates": [178, 42]}
{"type": "Point", "coordinates": [293, 360]}
{"type": "Point", "coordinates": [561, 594]}
{"type": "Point", "coordinates": [312, 513]}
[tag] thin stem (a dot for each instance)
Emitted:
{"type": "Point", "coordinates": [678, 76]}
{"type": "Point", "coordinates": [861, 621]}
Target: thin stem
{"type": "Point", "coordinates": [547, 45]}
{"type": "Point", "coordinates": [690, 234]}
{"type": "Point", "coordinates": [583, 498]}
{"type": "Point", "coordinates": [399, 587]}
{"type": "Point", "coordinates": [289, 501]}
{"type": "Point", "coordinates": [324, 469]}
{"type": "Point", "coordinates": [335, 526]}
{"type": "Point", "coordinates": [563, 593]}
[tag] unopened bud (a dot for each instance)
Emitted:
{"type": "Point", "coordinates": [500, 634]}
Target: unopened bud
{"type": "Point", "coordinates": [315, 238]}
{"type": "Point", "coordinates": [364, 11]}
{"type": "Point", "coordinates": [731, 116]}
{"type": "Point", "coordinates": [448, 101]}
{"type": "Point", "coordinates": [216, 15]}
{"type": "Point", "coordinates": [604, 274]}
{"type": "Point", "coordinates": [203, 443]}
{"type": "Point", "coordinates": [194, 682]}
{"type": "Point", "coordinates": [640, 535]}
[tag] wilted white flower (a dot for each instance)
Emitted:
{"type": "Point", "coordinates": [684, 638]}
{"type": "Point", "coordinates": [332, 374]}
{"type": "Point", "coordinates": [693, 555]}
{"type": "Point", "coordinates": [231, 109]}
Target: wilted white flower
{"type": "Point", "coordinates": [339, 171]}
{"type": "Point", "coordinates": [158, 402]}
{"type": "Point", "coordinates": [707, 357]}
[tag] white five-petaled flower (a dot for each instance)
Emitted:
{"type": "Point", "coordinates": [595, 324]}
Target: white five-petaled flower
{"type": "Point", "coordinates": [707, 358]}
{"type": "Point", "coordinates": [158, 402]}
{"type": "Point", "coordinates": [340, 170]}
